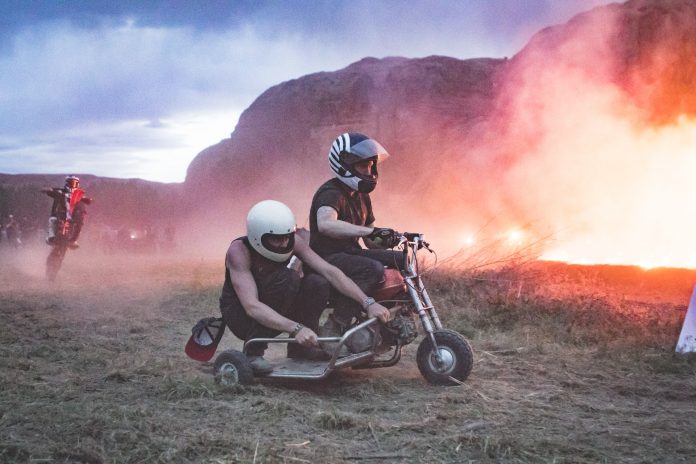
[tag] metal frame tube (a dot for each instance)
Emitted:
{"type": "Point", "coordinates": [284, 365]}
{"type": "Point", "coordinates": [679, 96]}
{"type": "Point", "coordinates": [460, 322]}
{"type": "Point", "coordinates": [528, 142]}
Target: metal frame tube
{"type": "Point", "coordinates": [334, 363]}
{"type": "Point", "coordinates": [421, 299]}
{"type": "Point", "coordinates": [431, 308]}
{"type": "Point", "coordinates": [423, 305]}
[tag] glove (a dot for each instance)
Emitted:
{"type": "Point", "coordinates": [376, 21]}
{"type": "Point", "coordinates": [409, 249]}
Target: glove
{"type": "Point", "coordinates": [383, 236]}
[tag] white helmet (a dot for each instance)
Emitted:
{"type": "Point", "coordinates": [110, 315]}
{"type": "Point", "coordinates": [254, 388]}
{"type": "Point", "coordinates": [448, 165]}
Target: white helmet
{"type": "Point", "coordinates": [271, 219]}
{"type": "Point", "coordinates": [350, 148]}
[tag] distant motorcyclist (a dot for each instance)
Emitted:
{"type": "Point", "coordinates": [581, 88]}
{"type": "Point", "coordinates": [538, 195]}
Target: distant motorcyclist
{"type": "Point", "coordinates": [68, 204]}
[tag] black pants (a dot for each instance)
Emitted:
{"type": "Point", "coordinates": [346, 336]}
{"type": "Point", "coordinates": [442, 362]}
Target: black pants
{"type": "Point", "coordinates": [299, 299]}
{"type": "Point", "coordinates": [76, 229]}
{"type": "Point", "coordinates": [78, 220]}
{"type": "Point", "coordinates": [366, 269]}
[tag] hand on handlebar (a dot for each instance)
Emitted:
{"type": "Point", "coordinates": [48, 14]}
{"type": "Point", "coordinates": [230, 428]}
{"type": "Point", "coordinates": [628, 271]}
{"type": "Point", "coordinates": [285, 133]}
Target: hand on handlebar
{"type": "Point", "coordinates": [384, 236]}
{"type": "Point", "coordinates": [379, 311]}
{"type": "Point", "coordinates": [306, 337]}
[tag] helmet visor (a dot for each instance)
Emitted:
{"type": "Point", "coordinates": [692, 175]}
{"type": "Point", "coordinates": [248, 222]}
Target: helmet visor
{"type": "Point", "coordinates": [365, 150]}
{"type": "Point", "coordinates": [278, 243]}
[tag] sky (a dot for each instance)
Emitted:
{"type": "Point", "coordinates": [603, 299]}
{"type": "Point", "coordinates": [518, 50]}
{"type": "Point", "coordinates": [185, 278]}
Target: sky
{"type": "Point", "coordinates": [138, 88]}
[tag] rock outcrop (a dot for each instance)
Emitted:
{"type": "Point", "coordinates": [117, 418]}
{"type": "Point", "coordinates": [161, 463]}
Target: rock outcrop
{"type": "Point", "coordinates": [417, 108]}
{"type": "Point", "coordinates": [453, 127]}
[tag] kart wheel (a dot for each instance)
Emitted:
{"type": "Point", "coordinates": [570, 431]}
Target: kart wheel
{"type": "Point", "coordinates": [456, 358]}
{"type": "Point", "coordinates": [231, 368]}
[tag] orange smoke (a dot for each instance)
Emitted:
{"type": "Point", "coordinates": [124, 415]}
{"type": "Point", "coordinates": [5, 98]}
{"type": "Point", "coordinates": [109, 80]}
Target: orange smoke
{"type": "Point", "coordinates": [606, 162]}
{"type": "Point", "coordinates": [632, 201]}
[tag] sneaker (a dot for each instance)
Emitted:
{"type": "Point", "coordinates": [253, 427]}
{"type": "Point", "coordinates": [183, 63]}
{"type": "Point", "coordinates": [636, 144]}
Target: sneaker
{"type": "Point", "coordinates": [259, 365]}
{"type": "Point", "coordinates": [73, 245]}
{"type": "Point", "coordinates": [297, 351]}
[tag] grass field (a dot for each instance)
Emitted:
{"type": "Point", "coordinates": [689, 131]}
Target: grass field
{"type": "Point", "coordinates": [572, 364]}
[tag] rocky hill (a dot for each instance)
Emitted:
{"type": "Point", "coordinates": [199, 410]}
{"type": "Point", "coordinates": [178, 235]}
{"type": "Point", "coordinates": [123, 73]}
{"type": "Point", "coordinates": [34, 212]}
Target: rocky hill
{"type": "Point", "coordinates": [467, 137]}
{"type": "Point", "coordinates": [645, 47]}
{"type": "Point", "coordinates": [420, 109]}
{"type": "Point", "coordinates": [457, 129]}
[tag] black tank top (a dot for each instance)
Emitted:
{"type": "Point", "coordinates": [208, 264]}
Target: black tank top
{"type": "Point", "coordinates": [259, 266]}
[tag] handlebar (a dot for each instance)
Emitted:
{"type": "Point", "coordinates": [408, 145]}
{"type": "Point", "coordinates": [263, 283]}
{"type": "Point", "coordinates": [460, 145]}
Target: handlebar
{"type": "Point", "coordinates": [412, 237]}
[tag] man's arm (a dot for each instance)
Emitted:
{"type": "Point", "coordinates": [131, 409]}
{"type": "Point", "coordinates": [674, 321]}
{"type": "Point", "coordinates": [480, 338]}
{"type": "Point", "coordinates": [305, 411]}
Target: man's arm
{"type": "Point", "coordinates": [337, 279]}
{"type": "Point", "coordinates": [238, 261]}
{"type": "Point", "coordinates": [52, 192]}
{"type": "Point", "coordinates": [369, 243]}
{"type": "Point", "coordinates": [329, 224]}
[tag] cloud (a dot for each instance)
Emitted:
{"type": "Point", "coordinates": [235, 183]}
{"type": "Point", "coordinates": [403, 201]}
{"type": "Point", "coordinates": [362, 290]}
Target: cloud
{"type": "Point", "coordinates": [157, 150]}
{"type": "Point", "coordinates": [62, 74]}
{"type": "Point", "coordinates": [66, 82]}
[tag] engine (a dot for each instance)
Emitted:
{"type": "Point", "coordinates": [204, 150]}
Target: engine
{"type": "Point", "coordinates": [401, 329]}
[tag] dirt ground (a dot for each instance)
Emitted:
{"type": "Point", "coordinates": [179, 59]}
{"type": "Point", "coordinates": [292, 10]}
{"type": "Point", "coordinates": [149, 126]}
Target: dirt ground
{"type": "Point", "coordinates": [572, 364]}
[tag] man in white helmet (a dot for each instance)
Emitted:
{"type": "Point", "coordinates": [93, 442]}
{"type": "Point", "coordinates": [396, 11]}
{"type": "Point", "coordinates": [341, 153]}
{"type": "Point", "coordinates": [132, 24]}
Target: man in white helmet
{"type": "Point", "coordinates": [262, 296]}
{"type": "Point", "coordinates": [341, 214]}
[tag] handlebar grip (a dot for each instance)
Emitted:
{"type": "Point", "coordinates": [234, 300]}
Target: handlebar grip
{"type": "Point", "coordinates": [411, 235]}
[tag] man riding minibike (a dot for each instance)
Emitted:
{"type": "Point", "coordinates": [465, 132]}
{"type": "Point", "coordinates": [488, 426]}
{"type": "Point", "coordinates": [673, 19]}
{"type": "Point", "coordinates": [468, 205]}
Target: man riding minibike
{"type": "Point", "coordinates": [374, 340]}
{"type": "Point", "coordinates": [263, 297]}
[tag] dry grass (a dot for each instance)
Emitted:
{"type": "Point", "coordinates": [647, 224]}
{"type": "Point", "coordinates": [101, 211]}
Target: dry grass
{"type": "Point", "coordinates": [573, 364]}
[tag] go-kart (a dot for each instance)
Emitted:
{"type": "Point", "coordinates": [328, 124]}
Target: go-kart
{"type": "Point", "coordinates": [444, 357]}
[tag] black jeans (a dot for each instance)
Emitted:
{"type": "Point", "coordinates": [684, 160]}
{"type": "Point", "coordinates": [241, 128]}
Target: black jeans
{"type": "Point", "coordinates": [299, 299]}
{"type": "Point", "coordinates": [366, 269]}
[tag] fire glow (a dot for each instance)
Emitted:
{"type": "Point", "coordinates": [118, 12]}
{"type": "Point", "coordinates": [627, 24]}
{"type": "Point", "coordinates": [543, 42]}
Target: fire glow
{"type": "Point", "coordinates": [606, 162]}
{"type": "Point", "coordinates": [612, 194]}
{"type": "Point", "coordinates": [638, 207]}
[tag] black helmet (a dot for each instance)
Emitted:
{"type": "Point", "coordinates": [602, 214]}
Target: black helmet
{"type": "Point", "coordinates": [72, 182]}
{"type": "Point", "coordinates": [351, 148]}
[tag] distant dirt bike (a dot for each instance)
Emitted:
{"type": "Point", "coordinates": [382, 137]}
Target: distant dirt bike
{"type": "Point", "coordinates": [60, 245]}
{"type": "Point", "coordinates": [444, 357]}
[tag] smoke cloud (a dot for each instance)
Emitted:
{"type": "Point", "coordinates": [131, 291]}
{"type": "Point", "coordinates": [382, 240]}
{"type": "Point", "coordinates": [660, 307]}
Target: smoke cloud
{"type": "Point", "coordinates": [604, 161]}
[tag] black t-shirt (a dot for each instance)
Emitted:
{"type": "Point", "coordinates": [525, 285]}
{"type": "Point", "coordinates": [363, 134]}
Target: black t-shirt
{"type": "Point", "coordinates": [355, 209]}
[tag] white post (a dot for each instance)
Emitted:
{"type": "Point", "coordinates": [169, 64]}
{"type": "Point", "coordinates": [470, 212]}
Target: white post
{"type": "Point", "coordinates": [687, 338]}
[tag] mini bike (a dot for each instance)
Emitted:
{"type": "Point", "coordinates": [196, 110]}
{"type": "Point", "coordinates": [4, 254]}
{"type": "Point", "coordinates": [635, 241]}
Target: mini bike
{"type": "Point", "coordinates": [444, 357]}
